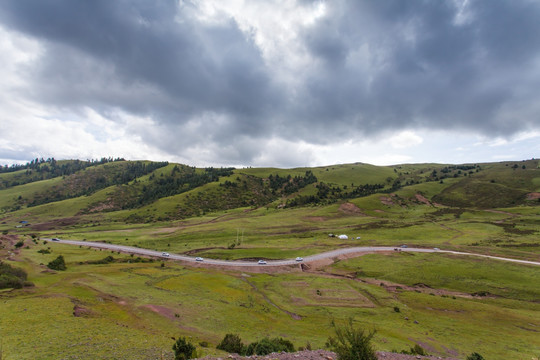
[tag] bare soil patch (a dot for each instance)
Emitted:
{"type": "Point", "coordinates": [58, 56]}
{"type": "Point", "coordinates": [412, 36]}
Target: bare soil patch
{"type": "Point", "coordinates": [386, 200]}
{"type": "Point", "coordinates": [533, 196]}
{"type": "Point", "coordinates": [351, 209]}
{"type": "Point", "coordinates": [81, 311]}
{"type": "Point", "coordinates": [57, 223]}
{"type": "Point", "coordinates": [422, 199]}
{"type": "Point", "coordinates": [315, 218]}
{"type": "Point", "coordinates": [168, 313]}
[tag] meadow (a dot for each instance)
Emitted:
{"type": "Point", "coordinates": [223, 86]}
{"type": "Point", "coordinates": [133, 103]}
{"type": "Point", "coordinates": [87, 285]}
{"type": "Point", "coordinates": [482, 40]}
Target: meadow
{"type": "Point", "coordinates": [133, 307]}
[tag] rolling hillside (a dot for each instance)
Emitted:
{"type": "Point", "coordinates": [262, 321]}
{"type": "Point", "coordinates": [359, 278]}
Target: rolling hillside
{"type": "Point", "coordinates": [113, 305]}
{"type": "Point", "coordinates": [175, 191]}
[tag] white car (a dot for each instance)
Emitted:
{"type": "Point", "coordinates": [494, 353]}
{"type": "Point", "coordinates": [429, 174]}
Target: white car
{"type": "Point", "coordinates": [166, 254]}
{"type": "Point", "coordinates": [299, 259]}
{"type": "Point", "coordinates": [436, 249]}
{"type": "Point", "coordinates": [261, 262]}
{"type": "Point", "coordinates": [199, 259]}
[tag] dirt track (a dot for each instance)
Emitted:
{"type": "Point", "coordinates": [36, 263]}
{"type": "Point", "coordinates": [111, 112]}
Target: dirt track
{"type": "Point", "coordinates": [325, 256]}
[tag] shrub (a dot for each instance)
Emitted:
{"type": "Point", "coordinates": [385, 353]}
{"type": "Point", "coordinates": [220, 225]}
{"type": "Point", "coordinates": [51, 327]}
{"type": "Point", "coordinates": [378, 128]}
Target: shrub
{"type": "Point", "coordinates": [57, 264]}
{"type": "Point", "coordinates": [11, 277]}
{"type": "Point", "coordinates": [352, 343]}
{"type": "Point", "coordinates": [475, 356]}
{"type": "Point", "coordinates": [396, 309]}
{"type": "Point", "coordinates": [44, 251]}
{"type": "Point", "coordinates": [267, 346]}
{"type": "Point", "coordinates": [183, 349]}
{"type": "Point", "coordinates": [415, 350]}
{"type": "Point", "coordinates": [232, 343]}
{"type": "Point", "coordinates": [19, 244]}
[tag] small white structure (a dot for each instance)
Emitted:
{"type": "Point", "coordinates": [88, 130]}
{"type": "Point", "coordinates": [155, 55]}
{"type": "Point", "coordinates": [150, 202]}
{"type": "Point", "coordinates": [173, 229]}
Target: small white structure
{"type": "Point", "coordinates": [343, 237]}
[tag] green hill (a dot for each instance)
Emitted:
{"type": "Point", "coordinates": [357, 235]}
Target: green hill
{"type": "Point", "coordinates": [153, 191]}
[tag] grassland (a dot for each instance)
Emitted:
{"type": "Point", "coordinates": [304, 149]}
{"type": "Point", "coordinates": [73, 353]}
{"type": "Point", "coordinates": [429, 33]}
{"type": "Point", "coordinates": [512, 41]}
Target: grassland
{"type": "Point", "coordinates": [133, 309]}
{"type": "Point", "coordinates": [129, 309]}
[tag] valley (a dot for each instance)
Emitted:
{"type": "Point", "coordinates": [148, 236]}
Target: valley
{"type": "Point", "coordinates": [121, 302]}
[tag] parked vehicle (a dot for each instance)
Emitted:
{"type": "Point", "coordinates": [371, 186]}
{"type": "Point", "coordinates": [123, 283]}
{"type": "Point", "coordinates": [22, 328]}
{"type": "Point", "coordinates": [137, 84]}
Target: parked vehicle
{"type": "Point", "coordinates": [199, 259]}
{"type": "Point", "coordinates": [261, 262]}
{"type": "Point", "coordinates": [166, 254]}
{"type": "Point", "coordinates": [299, 259]}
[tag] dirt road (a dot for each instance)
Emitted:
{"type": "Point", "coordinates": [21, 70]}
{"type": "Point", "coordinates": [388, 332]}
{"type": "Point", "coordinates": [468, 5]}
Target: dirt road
{"type": "Point", "coordinates": [350, 252]}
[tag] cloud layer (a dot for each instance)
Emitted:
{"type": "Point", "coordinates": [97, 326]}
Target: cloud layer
{"type": "Point", "coordinates": [263, 83]}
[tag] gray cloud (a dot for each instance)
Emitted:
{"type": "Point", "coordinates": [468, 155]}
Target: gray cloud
{"type": "Point", "coordinates": [376, 65]}
{"type": "Point", "coordinates": [423, 67]}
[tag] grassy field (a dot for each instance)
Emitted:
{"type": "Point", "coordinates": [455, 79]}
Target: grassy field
{"type": "Point", "coordinates": [132, 309]}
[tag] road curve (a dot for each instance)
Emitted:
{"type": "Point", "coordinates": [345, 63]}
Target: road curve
{"type": "Point", "coordinates": [287, 262]}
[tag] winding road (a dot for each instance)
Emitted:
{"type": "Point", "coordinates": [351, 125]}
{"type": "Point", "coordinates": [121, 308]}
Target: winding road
{"type": "Point", "coordinates": [273, 263]}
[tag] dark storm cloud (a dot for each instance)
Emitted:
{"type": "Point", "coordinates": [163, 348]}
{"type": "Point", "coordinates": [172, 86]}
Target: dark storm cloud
{"type": "Point", "coordinates": [96, 49]}
{"type": "Point", "coordinates": [377, 65]}
{"type": "Point", "coordinates": [427, 67]}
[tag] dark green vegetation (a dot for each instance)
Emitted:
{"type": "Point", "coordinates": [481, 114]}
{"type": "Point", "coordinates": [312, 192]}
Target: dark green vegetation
{"type": "Point", "coordinates": [183, 349]}
{"type": "Point", "coordinates": [11, 277]}
{"type": "Point", "coordinates": [352, 343]}
{"type": "Point", "coordinates": [232, 343]}
{"type": "Point", "coordinates": [57, 264]}
{"type": "Point", "coordinates": [113, 305]}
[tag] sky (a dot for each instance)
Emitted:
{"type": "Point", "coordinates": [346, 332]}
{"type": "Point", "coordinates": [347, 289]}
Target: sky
{"type": "Point", "coordinates": [280, 83]}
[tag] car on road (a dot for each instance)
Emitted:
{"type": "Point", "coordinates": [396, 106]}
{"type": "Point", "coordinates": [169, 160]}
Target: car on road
{"type": "Point", "coordinates": [199, 259]}
{"type": "Point", "coordinates": [261, 262]}
{"type": "Point", "coordinates": [403, 246]}
{"type": "Point", "coordinates": [436, 249]}
{"type": "Point", "coordinates": [299, 259]}
{"type": "Point", "coordinates": [55, 239]}
{"type": "Point", "coordinates": [166, 254]}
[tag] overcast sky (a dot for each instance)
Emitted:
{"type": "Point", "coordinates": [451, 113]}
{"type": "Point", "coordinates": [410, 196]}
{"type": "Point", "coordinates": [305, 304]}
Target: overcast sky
{"type": "Point", "coordinates": [272, 82]}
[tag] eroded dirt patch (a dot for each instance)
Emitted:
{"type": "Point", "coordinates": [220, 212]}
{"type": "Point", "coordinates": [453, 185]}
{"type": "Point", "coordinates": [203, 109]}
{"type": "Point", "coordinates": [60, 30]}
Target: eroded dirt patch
{"type": "Point", "coordinates": [57, 223]}
{"type": "Point", "coordinates": [351, 209]}
{"type": "Point", "coordinates": [386, 200]}
{"type": "Point", "coordinates": [533, 196]}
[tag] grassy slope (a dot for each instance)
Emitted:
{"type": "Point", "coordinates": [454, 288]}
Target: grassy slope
{"type": "Point", "coordinates": [120, 325]}
{"type": "Point", "coordinates": [118, 321]}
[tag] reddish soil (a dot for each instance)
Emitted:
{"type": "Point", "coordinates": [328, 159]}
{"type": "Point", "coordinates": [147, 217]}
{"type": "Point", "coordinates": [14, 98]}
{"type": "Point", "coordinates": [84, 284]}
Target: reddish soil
{"type": "Point", "coordinates": [315, 218]}
{"type": "Point", "coordinates": [81, 311]}
{"type": "Point", "coordinates": [325, 355]}
{"type": "Point", "coordinates": [57, 223]}
{"type": "Point", "coordinates": [422, 199]}
{"type": "Point", "coordinates": [386, 200]}
{"type": "Point", "coordinates": [161, 310]}
{"type": "Point", "coordinates": [533, 196]}
{"type": "Point", "coordinates": [168, 313]}
{"type": "Point", "coordinates": [351, 209]}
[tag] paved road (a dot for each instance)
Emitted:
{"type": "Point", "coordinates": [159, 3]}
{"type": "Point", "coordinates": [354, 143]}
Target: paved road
{"type": "Point", "coordinates": [234, 263]}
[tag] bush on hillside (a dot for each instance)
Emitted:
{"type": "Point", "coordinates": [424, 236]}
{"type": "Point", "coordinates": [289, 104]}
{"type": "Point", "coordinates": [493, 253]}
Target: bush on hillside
{"type": "Point", "coordinates": [183, 349]}
{"type": "Point", "coordinates": [475, 356]}
{"type": "Point", "coordinates": [57, 264]}
{"type": "Point", "coordinates": [232, 343]}
{"type": "Point", "coordinates": [106, 260]}
{"type": "Point", "coordinates": [11, 277]}
{"type": "Point", "coordinates": [267, 346]}
{"type": "Point", "coordinates": [415, 350]}
{"type": "Point", "coordinates": [352, 343]}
